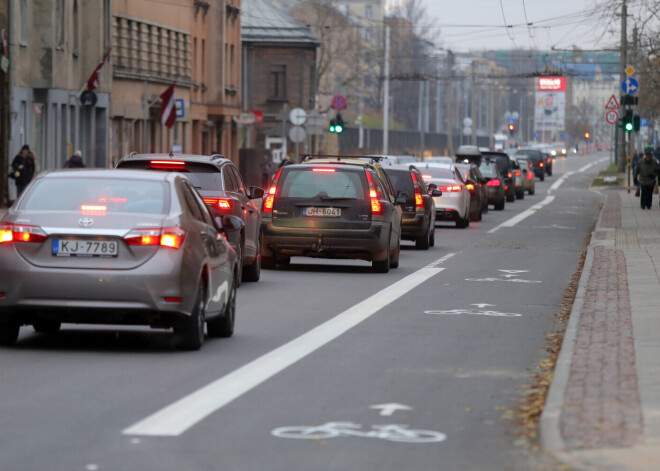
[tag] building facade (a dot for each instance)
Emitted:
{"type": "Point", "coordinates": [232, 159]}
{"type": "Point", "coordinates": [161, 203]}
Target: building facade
{"type": "Point", "coordinates": [54, 47]}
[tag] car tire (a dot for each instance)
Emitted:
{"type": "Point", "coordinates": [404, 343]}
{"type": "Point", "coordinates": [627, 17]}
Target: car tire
{"type": "Point", "coordinates": [46, 326]}
{"type": "Point", "coordinates": [252, 272]}
{"type": "Point", "coordinates": [382, 266]}
{"type": "Point", "coordinates": [423, 242]}
{"type": "Point", "coordinates": [269, 262]}
{"type": "Point", "coordinates": [190, 332]}
{"type": "Point", "coordinates": [511, 198]}
{"type": "Point", "coordinates": [463, 222]}
{"type": "Point", "coordinates": [224, 326]}
{"type": "Point", "coordinates": [520, 195]}
{"type": "Point", "coordinates": [239, 258]}
{"type": "Point", "coordinates": [432, 237]}
{"type": "Point", "coordinates": [499, 206]}
{"type": "Point", "coordinates": [542, 178]}
{"type": "Point", "coordinates": [394, 260]}
{"type": "Point", "coordinates": [530, 192]}
{"type": "Point", "coordinates": [8, 333]}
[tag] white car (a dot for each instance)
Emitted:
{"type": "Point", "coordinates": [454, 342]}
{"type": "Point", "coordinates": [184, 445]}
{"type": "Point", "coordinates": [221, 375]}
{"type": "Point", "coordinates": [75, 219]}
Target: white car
{"type": "Point", "coordinates": [454, 204]}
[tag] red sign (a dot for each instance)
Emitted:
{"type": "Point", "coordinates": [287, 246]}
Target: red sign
{"type": "Point", "coordinates": [612, 104]}
{"type": "Point", "coordinates": [259, 115]}
{"type": "Point", "coordinates": [339, 102]}
{"type": "Point", "coordinates": [552, 84]}
{"type": "Point", "coordinates": [611, 117]}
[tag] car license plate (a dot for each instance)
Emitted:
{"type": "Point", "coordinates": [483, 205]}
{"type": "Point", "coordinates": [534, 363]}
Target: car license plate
{"type": "Point", "coordinates": [322, 212]}
{"type": "Point", "coordinates": [84, 248]}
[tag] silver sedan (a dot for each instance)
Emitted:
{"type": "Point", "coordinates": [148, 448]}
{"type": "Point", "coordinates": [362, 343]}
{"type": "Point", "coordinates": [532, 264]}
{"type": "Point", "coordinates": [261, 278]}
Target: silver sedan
{"type": "Point", "coordinates": [454, 204]}
{"type": "Point", "coordinates": [115, 247]}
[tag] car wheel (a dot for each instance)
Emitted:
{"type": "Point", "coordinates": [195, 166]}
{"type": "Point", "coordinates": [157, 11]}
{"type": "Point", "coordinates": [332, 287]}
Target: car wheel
{"type": "Point", "coordinates": [530, 192]}
{"type": "Point", "coordinates": [511, 198]}
{"type": "Point", "coordinates": [394, 261]}
{"type": "Point", "coordinates": [224, 326]}
{"type": "Point", "coordinates": [432, 238]}
{"type": "Point", "coordinates": [542, 178]}
{"type": "Point", "coordinates": [382, 266]}
{"type": "Point", "coordinates": [499, 206]}
{"type": "Point", "coordinates": [191, 331]}
{"type": "Point", "coordinates": [46, 326]}
{"type": "Point", "coordinates": [520, 195]}
{"type": "Point", "coordinates": [8, 333]}
{"type": "Point", "coordinates": [463, 222]}
{"type": "Point", "coordinates": [423, 242]}
{"type": "Point", "coordinates": [253, 271]}
{"type": "Point", "coordinates": [239, 258]}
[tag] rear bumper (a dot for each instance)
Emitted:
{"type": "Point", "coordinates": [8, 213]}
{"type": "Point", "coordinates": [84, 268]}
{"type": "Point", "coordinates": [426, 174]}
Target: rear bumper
{"type": "Point", "coordinates": [415, 226]}
{"type": "Point", "coordinates": [495, 195]}
{"type": "Point", "coordinates": [364, 244]}
{"type": "Point", "coordinates": [447, 214]}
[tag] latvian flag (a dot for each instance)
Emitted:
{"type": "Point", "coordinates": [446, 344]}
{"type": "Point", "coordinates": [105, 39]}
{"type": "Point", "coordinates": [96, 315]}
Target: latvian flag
{"type": "Point", "coordinates": [167, 108]}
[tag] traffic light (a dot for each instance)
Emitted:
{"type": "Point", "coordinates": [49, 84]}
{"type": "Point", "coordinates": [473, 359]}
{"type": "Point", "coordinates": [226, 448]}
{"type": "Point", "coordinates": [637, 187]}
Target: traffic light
{"type": "Point", "coordinates": [339, 124]}
{"type": "Point", "coordinates": [586, 135]}
{"type": "Point", "coordinates": [333, 125]}
{"type": "Point", "coordinates": [627, 121]}
{"type": "Point", "coordinates": [512, 129]}
{"type": "Point", "coordinates": [636, 123]}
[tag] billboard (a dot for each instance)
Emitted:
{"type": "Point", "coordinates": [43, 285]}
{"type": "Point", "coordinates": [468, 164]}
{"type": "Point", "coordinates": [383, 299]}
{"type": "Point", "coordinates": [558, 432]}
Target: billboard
{"type": "Point", "coordinates": [550, 105]}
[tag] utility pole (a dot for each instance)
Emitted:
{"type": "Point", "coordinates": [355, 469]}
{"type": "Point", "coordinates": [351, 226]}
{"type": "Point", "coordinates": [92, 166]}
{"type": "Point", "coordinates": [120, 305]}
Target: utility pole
{"type": "Point", "coordinates": [473, 104]}
{"type": "Point", "coordinates": [449, 97]}
{"type": "Point", "coordinates": [491, 117]}
{"type": "Point", "coordinates": [621, 148]}
{"type": "Point", "coordinates": [386, 92]}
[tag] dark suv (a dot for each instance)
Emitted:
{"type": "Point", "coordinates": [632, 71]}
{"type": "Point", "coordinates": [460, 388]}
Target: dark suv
{"type": "Point", "coordinates": [220, 184]}
{"type": "Point", "coordinates": [417, 220]}
{"type": "Point", "coordinates": [504, 164]}
{"type": "Point", "coordinates": [331, 210]}
{"type": "Point", "coordinates": [536, 157]}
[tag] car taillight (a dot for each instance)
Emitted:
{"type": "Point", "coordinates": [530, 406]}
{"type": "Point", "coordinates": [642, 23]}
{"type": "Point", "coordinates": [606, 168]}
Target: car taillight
{"type": "Point", "coordinates": [509, 175]}
{"type": "Point", "coordinates": [21, 233]}
{"type": "Point", "coordinates": [540, 164]}
{"type": "Point", "coordinates": [516, 173]}
{"type": "Point", "coordinates": [167, 164]}
{"type": "Point", "coordinates": [530, 175]}
{"type": "Point", "coordinates": [167, 237]}
{"type": "Point", "coordinates": [427, 177]}
{"type": "Point", "coordinates": [222, 204]}
{"type": "Point", "coordinates": [270, 199]}
{"type": "Point", "coordinates": [376, 207]}
{"type": "Point", "coordinates": [451, 188]}
{"type": "Point", "coordinates": [470, 188]}
{"type": "Point", "coordinates": [323, 170]}
{"type": "Point", "coordinates": [493, 182]}
{"type": "Point", "coordinates": [93, 209]}
{"type": "Point", "coordinates": [419, 201]}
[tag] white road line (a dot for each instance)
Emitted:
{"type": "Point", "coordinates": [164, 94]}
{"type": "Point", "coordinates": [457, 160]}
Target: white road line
{"type": "Point", "coordinates": [179, 416]}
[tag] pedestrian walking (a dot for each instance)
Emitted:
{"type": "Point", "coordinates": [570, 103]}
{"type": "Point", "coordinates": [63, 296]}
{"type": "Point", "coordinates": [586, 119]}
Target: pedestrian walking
{"type": "Point", "coordinates": [634, 162]}
{"type": "Point", "coordinates": [75, 161]}
{"type": "Point", "coordinates": [22, 169]}
{"type": "Point", "coordinates": [647, 173]}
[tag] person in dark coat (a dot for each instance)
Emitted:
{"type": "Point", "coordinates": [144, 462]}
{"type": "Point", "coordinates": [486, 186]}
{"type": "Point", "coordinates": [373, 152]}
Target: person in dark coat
{"type": "Point", "coordinates": [634, 162]}
{"type": "Point", "coordinates": [647, 173]}
{"type": "Point", "coordinates": [22, 169]}
{"type": "Point", "coordinates": [75, 161]}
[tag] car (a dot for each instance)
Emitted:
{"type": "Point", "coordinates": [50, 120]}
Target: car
{"type": "Point", "coordinates": [537, 159]}
{"type": "Point", "coordinates": [475, 185]}
{"type": "Point", "coordinates": [494, 184]}
{"type": "Point", "coordinates": [527, 170]}
{"type": "Point", "coordinates": [418, 213]}
{"type": "Point", "coordinates": [116, 247]}
{"type": "Point", "coordinates": [445, 159]}
{"type": "Point", "coordinates": [454, 203]}
{"type": "Point", "coordinates": [517, 178]}
{"type": "Point", "coordinates": [504, 163]}
{"type": "Point", "coordinates": [331, 209]}
{"type": "Point", "coordinates": [221, 186]}
{"type": "Point", "coordinates": [549, 153]}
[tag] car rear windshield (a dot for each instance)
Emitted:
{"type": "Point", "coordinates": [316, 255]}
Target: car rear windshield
{"type": "Point", "coordinates": [501, 161]}
{"type": "Point", "coordinates": [323, 183]}
{"type": "Point", "coordinates": [402, 181]}
{"type": "Point", "coordinates": [435, 172]}
{"type": "Point", "coordinates": [532, 154]}
{"type": "Point", "coordinates": [202, 176]}
{"type": "Point", "coordinates": [465, 171]}
{"type": "Point", "coordinates": [488, 170]}
{"type": "Point", "coordinates": [97, 195]}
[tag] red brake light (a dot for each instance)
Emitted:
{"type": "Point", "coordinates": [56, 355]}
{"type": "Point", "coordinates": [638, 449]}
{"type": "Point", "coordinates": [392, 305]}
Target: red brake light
{"type": "Point", "coordinates": [493, 182]}
{"type": "Point", "coordinates": [471, 188]}
{"type": "Point", "coordinates": [270, 199]}
{"type": "Point", "coordinates": [323, 170]}
{"type": "Point", "coordinates": [222, 204]}
{"type": "Point", "coordinates": [509, 175]}
{"type": "Point", "coordinates": [376, 207]}
{"type": "Point", "coordinates": [173, 299]}
{"type": "Point", "coordinates": [93, 209]}
{"type": "Point", "coordinates": [167, 237]}
{"type": "Point", "coordinates": [21, 233]}
{"type": "Point", "coordinates": [530, 175]}
{"type": "Point", "coordinates": [540, 164]}
{"type": "Point", "coordinates": [427, 177]}
{"type": "Point", "coordinates": [451, 188]}
{"type": "Point", "coordinates": [516, 173]}
{"type": "Point", "coordinates": [419, 201]}
{"type": "Point", "coordinates": [165, 164]}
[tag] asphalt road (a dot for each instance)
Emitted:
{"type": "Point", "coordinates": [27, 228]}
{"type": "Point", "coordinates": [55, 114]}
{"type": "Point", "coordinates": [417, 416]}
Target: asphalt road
{"type": "Point", "coordinates": [320, 342]}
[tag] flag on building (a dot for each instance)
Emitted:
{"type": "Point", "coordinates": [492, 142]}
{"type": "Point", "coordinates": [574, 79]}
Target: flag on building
{"type": "Point", "coordinates": [93, 80]}
{"type": "Point", "coordinates": [167, 108]}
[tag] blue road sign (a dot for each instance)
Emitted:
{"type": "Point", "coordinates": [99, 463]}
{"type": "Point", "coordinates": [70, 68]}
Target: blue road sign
{"type": "Point", "coordinates": [644, 123]}
{"type": "Point", "coordinates": [510, 121]}
{"type": "Point", "coordinates": [629, 86]}
{"type": "Point", "coordinates": [565, 136]}
{"type": "Point", "coordinates": [180, 110]}
{"type": "Point", "coordinates": [537, 134]}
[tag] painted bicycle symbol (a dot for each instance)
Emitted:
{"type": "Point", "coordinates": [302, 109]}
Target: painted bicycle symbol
{"type": "Point", "coordinates": [392, 433]}
{"type": "Point", "coordinates": [474, 312]}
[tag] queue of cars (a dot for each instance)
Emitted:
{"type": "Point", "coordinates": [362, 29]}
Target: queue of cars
{"type": "Point", "coordinates": [165, 240]}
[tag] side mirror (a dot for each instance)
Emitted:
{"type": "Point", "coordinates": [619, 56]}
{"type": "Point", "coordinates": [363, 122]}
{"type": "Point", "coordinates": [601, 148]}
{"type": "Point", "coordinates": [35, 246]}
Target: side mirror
{"type": "Point", "coordinates": [431, 186]}
{"type": "Point", "coordinates": [435, 192]}
{"type": "Point", "coordinates": [255, 192]}
{"type": "Point", "coordinates": [229, 223]}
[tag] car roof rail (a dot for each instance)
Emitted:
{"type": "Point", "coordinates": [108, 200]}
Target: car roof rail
{"type": "Point", "coordinates": [131, 154]}
{"type": "Point", "coordinates": [217, 156]}
{"type": "Point", "coordinates": [306, 157]}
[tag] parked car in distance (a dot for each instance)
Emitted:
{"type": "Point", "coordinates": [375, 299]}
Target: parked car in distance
{"type": "Point", "coordinates": [116, 247]}
{"type": "Point", "coordinates": [536, 157]}
{"type": "Point", "coordinates": [418, 213]}
{"type": "Point", "coordinates": [338, 210]}
{"type": "Point", "coordinates": [494, 184]}
{"type": "Point", "coordinates": [527, 169]}
{"type": "Point", "coordinates": [478, 193]}
{"type": "Point", "coordinates": [454, 204]}
{"type": "Point", "coordinates": [220, 184]}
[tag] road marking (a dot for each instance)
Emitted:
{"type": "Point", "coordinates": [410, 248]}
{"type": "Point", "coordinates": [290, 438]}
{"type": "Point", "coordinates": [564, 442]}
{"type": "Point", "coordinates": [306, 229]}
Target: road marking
{"type": "Point", "coordinates": [473, 312]}
{"type": "Point", "coordinates": [179, 416]}
{"type": "Point", "coordinates": [482, 305]}
{"type": "Point", "coordinates": [391, 408]}
{"type": "Point", "coordinates": [512, 280]}
{"type": "Point", "coordinates": [390, 432]}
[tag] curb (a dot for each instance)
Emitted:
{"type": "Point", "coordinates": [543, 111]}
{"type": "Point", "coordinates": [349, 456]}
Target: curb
{"type": "Point", "coordinates": [549, 429]}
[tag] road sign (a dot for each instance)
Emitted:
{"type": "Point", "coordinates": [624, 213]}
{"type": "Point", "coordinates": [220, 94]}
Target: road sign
{"type": "Point", "coordinates": [510, 121]}
{"type": "Point", "coordinates": [245, 118]}
{"type": "Point", "coordinates": [630, 70]}
{"type": "Point", "coordinates": [629, 85]}
{"type": "Point", "coordinates": [644, 122]}
{"type": "Point", "coordinates": [537, 134]}
{"type": "Point", "coordinates": [180, 109]}
{"type": "Point", "coordinates": [611, 117]}
{"type": "Point", "coordinates": [298, 116]}
{"type": "Point", "coordinates": [612, 104]}
{"type": "Point", "coordinates": [258, 115]}
{"type": "Point", "coordinates": [297, 134]}
{"type": "Point", "coordinates": [338, 102]}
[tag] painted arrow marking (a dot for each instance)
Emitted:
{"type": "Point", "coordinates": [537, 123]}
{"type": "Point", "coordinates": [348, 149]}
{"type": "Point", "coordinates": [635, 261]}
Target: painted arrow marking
{"type": "Point", "coordinates": [482, 305]}
{"type": "Point", "coordinates": [389, 409]}
{"type": "Point", "coordinates": [514, 271]}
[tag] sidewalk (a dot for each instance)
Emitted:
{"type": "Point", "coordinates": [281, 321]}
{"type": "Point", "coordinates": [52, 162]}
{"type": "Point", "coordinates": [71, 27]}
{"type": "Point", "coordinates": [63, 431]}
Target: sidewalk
{"type": "Point", "coordinates": [603, 408]}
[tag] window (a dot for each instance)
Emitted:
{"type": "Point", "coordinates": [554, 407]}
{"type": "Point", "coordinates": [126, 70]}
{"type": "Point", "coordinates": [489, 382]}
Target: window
{"type": "Point", "coordinates": [277, 85]}
{"type": "Point", "coordinates": [367, 34]}
{"type": "Point", "coordinates": [107, 18]}
{"type": "Point", "coordinates": [59, 23]}
{"type": "Point", "coordinates": [203, 60]}
{"type": "Point", "coordinates": [76, 32]}
{"type": "Point", "coordinates": [369, 11]}
{"type": "Point", "coordinates": [24, 23]}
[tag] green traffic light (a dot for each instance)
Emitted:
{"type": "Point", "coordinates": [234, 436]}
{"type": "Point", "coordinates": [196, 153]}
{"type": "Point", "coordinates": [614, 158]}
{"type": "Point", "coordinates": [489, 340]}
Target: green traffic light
{"type": "Point", "coordinates": [629, 127]}
{"type": "Point", "coordinates": [338, 128]}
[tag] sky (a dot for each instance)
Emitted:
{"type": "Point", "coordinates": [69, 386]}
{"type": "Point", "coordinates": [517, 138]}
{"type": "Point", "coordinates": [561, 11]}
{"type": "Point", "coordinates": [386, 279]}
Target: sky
{"type": "Point", "coordinates": [554, 23]}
